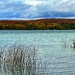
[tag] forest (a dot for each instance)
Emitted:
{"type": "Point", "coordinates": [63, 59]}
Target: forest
{"type": "Point", "coordinates": [39, 24]}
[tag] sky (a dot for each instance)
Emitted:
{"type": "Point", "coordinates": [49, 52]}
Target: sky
{"type": "Point", "coordinates": [36, 9]}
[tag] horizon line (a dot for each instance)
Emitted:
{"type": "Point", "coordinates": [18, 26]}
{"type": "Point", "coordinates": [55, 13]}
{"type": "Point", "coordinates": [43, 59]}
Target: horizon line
{"type": "Point", "coordinates": [37, 18]}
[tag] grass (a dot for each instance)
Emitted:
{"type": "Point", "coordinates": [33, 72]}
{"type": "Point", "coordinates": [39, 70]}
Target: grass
{"type": "Point", "coordinates": [24, 60]}
{"type": "Point", "coordinates": [73, 43]}
{"type": "Point", "coordinates": [19, 58]}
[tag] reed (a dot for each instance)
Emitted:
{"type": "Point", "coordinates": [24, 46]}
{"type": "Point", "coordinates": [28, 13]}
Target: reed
{"type": "Point", "coordinates": [19, 57]}
{"type": "Point", "coordinates": [73, 44]}
{"type": "Point", "coordinates": [23, 60]}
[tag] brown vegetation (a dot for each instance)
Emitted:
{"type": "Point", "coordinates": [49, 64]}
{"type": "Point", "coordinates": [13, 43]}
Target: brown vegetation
{"type": "Point", "coordinates": [40, 24]}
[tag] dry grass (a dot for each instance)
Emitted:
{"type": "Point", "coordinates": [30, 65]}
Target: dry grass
{"type": "Point", "coordinates": [19, 57]}
{"type": "Point", "coordinates": [23, 60]}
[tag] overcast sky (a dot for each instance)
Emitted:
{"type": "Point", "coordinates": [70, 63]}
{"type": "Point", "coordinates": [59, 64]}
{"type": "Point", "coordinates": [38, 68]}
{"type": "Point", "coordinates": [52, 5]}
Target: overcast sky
{"type": "Point", "coordinates": [34, 9]}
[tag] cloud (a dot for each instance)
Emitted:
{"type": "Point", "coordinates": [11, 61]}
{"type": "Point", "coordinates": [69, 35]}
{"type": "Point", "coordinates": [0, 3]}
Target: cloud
{"type": "Point", "coordinates": [57, 8]}
{"type": "Point", "coordinates": [12, 9]}
{"type": "Point", "coordinates": [33, 3]}
{"type": "Point", "coordinates": [52, 8]}
{"type": "Point", "coordinates": [27, 9]}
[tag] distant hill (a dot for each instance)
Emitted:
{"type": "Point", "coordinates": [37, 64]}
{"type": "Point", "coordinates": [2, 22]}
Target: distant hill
{"type": "Point", "coordinates": [39, 24]}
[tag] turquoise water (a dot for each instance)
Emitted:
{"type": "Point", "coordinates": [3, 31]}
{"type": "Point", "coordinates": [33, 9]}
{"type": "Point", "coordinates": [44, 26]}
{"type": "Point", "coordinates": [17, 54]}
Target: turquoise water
{"type": "Point", "coordinates": [54, 47]}
{"type": "Point", "coordinates": [48, 42]}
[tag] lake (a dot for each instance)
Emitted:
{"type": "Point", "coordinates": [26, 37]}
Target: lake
{"type": "Point", "coordinates": [53, 46]}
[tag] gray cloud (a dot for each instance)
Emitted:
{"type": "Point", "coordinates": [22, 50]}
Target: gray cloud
{"type": "Point", "coordinates": [12, 9]}
{"type": "Point", "coordinates": [36, 8]}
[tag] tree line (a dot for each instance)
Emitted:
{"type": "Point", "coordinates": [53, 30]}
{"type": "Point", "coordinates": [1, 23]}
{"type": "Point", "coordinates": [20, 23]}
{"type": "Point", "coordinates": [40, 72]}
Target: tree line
{"type": "Point", "coordinates": [41, 24]}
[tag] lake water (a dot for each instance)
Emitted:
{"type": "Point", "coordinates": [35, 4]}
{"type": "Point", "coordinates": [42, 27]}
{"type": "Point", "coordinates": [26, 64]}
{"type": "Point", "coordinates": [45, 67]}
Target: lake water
{"type": "Point", "coordinates": [54, 46]}
{"type": "Point", "coordinates": [48, 42]}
